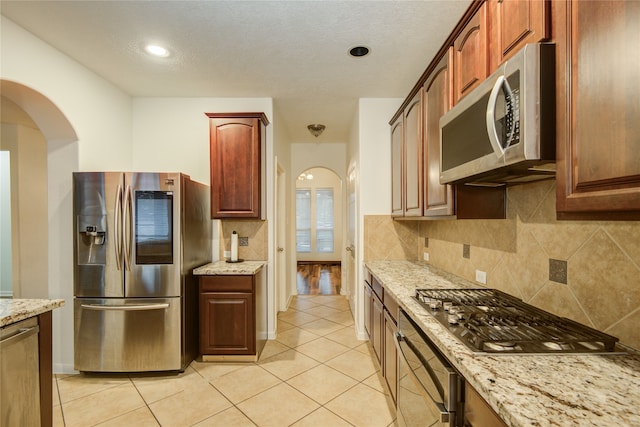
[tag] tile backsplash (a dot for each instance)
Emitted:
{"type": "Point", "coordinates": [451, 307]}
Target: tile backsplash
{"type": "Point", "coordinates": [601, 259]}
{"type": "Point", "coordinates": [253, 233]}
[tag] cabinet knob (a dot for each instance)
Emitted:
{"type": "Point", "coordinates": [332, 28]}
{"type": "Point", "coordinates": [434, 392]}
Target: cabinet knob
{"type": "Point", "coordinates": [280, 249]}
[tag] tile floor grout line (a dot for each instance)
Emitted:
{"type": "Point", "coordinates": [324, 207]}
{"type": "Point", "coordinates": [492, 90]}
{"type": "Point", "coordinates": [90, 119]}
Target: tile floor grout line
{"type": "Point", "coordinates": [344, 346]}
{"type": "Point", "coordinates": [147, 404]}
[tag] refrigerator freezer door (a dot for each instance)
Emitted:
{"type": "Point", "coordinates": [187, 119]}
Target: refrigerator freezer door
{"type": "Point", "coordinates": [97, 238]}
{"type": "Point", "coordinates": [152, 214]}
{"type": "Point", "coordinates": [127, 335]}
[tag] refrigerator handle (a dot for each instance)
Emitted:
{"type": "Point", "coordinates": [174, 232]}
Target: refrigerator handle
{"type": "Point", "coordinates": [127, 228]}
{"type": "Point", "coordinates": [118, 226]}
{"type": "Point", "coordinates": [140, 307]}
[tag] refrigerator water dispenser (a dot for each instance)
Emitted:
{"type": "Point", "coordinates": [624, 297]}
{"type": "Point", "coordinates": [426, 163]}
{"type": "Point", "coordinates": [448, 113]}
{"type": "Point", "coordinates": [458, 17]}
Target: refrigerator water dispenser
{"type": "Point", "coordinates": [92, 232]}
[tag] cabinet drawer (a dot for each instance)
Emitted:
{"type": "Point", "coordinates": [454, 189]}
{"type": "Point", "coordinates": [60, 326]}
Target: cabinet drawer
{"type": "Point", "coordinates": [377, 288]}
{"type": "Point", "coordinates": [224, 283]}
{"type": "Point", "coordinates": [391, 305]}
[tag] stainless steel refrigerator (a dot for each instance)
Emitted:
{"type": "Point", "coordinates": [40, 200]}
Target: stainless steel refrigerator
{"type": "Point", "coordinates": [137, 238]}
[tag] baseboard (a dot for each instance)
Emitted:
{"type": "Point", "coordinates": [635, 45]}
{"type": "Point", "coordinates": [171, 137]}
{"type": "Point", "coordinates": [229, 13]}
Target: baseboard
{"type": "Point", "coordinates": [319, 262]}
{"type": "Point", "coordinates": [63, 368]}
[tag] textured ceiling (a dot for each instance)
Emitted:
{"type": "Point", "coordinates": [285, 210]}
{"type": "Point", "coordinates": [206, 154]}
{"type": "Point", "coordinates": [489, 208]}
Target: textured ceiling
{"type": "Point", "coordinates": [295, 52]}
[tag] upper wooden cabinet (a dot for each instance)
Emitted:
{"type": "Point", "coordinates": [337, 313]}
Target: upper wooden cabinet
{"type": "Point", "coordinates": [515, 23]}
{"type": "Point", "coordinates": [436, 101]}
{"type": "Point", "coordinates": [470, 59]}
{"type": "Point", "coordinates": [413, 166]}
{"type": "Point", "coordinates": [237, 164]}
{"type": "Point", "coordinates": [406, 161]}
{"type": "Point", "coordinates": [397, 171]}
{"type": "Point", "coordinates": [598, 141]}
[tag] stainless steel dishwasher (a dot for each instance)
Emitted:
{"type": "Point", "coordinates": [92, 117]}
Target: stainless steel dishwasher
{"type": "Point", "coordinates": [19, 370]}
{"type": "Point", "coordinates": [429, 389]}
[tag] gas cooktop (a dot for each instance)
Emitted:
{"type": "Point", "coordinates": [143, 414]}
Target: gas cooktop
{"type": "Point", "coordinates": [491, 321]}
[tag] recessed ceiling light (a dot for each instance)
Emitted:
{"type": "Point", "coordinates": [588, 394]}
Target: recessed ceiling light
{"type": "Point", "coordinates": [358, 51]}
{"type": "Point", "coordinates": [156, 50]}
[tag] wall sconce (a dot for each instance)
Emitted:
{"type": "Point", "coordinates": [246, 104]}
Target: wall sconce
{"type": "Point", "coordinates": [316, 129]}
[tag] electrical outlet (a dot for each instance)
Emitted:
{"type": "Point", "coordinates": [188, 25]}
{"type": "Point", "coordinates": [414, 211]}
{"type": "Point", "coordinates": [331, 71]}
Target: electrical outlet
{"type": "Point", "coordinates": [481, 277]}
{"type": "Point", "coordinates": [426, 256]}
{"type": "Point", "coordinates": [227, 254]}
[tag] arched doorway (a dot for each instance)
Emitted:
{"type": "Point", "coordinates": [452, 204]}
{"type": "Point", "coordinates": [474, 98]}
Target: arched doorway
{"type": "Point", "coordinates": [32, 128]}
{"type": "Point", "coordinates": [319, 231]}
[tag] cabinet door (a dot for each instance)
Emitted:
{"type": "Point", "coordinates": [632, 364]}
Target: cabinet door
{"type": "Point", "coordinates": [436, 101]}
{"type": "Point", "coordinates": [227, 323]}
{"type": "Point", "coordinates": [377, 325]}
{"type": "Point", "coordinates": [368, 301]}
{"type": "Point", "coordinates": [236, 167]}
{"type": "Point", "coordinates": [390, 358]}
{"type": "Point", "coordinates": [413, 157]}
{"type": "Point", "coordinates": [598, 143]}
{"type": "Point", "coordinates": [397, 171]}
{"type": "Point", "coordinates": [477, 412]}
{"type": "Point", "coordinates": [470, 55]}
{"type": "Point", "coordinates": [515, 23]}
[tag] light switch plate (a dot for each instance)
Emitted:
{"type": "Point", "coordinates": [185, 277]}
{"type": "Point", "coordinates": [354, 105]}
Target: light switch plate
{"type": "Point", "coordinates": [481, 277]}
{"type": "Point", "coordinates": [426, 256]}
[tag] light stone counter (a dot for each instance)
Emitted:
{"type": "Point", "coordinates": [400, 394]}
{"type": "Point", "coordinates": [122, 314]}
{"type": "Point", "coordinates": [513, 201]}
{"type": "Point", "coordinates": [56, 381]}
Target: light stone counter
{"type": "Point", "coordinates": [15, 310]}
{"type": "Point", "coordinates": [222, 267]}
{"type": "Point", "coordinates": [525, 390]}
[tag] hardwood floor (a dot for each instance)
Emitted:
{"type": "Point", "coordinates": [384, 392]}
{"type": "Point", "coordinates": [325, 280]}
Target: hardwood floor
{"type": "Point", "coordinates": [318, 279]}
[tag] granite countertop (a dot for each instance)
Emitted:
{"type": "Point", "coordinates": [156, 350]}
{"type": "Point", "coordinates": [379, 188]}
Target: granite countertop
{"type": "Point", "coordinates": [223, 267]}
{"type": "Point", "coordinates": [15, 310]}
{"type": "Point", "coordinates": [525, 390]}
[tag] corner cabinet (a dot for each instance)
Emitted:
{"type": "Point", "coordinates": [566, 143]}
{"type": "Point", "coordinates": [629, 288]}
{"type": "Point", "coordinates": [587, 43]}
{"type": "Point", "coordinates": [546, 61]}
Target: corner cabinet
{"type": "Point", "coordinates": [598, 140]}
{"type": "Point", "coordinates": [237, 167]}
{"type": "Point", "coordinates": [232, 316]}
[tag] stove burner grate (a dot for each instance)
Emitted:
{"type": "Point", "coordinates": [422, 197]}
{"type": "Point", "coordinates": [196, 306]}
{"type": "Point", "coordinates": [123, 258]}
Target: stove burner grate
{"type": "Point", "coordinates": [491, 321]}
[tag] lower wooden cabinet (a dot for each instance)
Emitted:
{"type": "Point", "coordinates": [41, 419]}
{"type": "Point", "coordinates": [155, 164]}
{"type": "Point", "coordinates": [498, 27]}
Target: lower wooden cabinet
{"type": "Point", "coordinates": [231, 314]}
{"type": "Point", "coordinates": [390, 366]}
{"type": "Point", "coordinates": [368, 300]}
{"type": "Point", "coordinates": [377, 323]}
{"type": "Point", "coordinates": [477, 412]}
{"type": "Point", "coordinates": [381, 319]}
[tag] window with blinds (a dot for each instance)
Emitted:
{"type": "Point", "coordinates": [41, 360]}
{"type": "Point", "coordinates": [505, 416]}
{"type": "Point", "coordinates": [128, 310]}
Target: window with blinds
{"type": "Point", "coordinates": [314, 220]}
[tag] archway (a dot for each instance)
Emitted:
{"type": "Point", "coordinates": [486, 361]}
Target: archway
{"type": "Point", "coordinates": [319, 231]}
{"type": "Point", "coordinates": [32, 127]}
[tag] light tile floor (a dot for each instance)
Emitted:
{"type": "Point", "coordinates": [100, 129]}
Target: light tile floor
{"type": "Point", "coordinates": [316, 373]}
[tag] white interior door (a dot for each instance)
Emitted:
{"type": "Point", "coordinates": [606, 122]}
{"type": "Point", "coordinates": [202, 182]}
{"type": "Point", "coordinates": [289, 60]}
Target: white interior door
{"type": "Point", "coordinates": [350, 264]}
{"type": "Point", "coordinates": [282, 294]}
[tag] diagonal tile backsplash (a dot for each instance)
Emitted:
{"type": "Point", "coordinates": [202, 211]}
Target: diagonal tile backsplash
{"type": "Point", "coordinates": [602, 258]}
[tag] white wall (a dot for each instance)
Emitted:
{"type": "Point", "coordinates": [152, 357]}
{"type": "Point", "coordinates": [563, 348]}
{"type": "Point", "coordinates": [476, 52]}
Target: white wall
{"type": "Point", "coordinates": [100, 115]}
{"type": "Point", "coordinates": [328, 155]}
{"type": "Point", "coordinates": [373, 163]}
{"type": "Point", "coordinates": [6, 274]}
{"type": "Point", "coordinates": [172, 134]}
{"type": "Point", "coordinates": [375, 155]}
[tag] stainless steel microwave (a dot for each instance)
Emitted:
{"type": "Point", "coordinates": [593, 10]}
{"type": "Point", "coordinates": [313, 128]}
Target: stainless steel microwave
{"type": "Point", "coordinates": [503, 131]}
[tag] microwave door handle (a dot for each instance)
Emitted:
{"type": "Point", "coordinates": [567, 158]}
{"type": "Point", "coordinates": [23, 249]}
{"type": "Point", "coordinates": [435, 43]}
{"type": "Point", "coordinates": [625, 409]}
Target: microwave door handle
{"type": "Point", "coordinates": [491, 115]}
{"type": "Point", "coordinates": [400, 346]}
